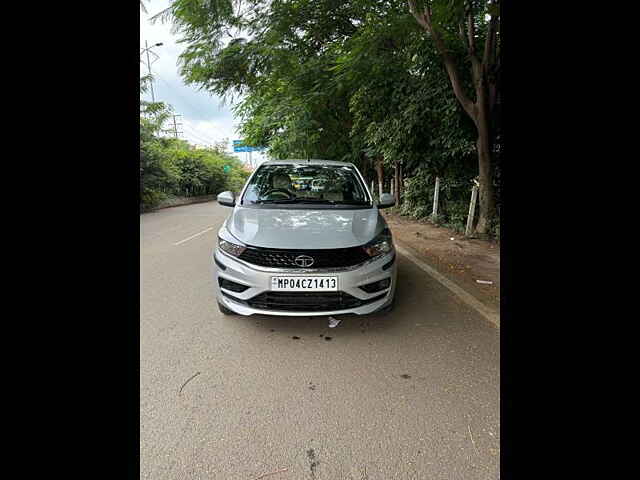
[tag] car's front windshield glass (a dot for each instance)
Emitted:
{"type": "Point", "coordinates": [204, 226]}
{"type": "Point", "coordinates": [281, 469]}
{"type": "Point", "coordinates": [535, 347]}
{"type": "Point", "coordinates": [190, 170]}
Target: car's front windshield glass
{"type": "Point", "coordinates": [305, 185]}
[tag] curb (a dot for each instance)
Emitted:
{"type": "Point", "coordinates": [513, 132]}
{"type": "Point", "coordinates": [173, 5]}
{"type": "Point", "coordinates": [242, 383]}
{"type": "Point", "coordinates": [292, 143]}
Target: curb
{"type": "Point", "coordinates": [488, 313]}
{"type": "Point", "coordinates": [191, 202]}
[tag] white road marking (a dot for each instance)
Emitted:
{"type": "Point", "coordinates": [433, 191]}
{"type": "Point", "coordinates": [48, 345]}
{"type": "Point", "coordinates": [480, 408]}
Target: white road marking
{"type": "Point", "coordinates": [470, 300]}
{"type": "Point", "coordinates": [193, 236]}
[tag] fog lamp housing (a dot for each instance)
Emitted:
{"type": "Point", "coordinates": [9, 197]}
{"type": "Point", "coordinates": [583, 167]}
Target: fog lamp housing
{"type": "Point", "coordinates": [376, 286]}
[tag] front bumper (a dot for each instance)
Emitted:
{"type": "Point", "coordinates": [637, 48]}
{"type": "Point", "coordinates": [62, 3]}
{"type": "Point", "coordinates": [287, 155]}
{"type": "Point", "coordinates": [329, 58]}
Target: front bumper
{"type": "Point", "coordinates": [258, 279]}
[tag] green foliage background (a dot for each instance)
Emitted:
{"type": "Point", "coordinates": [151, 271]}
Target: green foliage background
{"type": "Point", "coordinates": [170, 166]}
{"type": "Point", "coordinates": [351, 80]}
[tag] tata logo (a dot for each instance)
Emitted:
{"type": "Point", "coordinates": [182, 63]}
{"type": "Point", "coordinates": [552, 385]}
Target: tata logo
{"type": "Point", "coordinates": [303, 261]}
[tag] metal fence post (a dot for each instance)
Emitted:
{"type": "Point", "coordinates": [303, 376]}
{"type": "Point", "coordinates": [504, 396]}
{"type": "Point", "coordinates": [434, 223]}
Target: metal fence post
{"type": "Point", "coordinates": [434, 215]}
{"type": "Point", "coordinates": [472, 211]}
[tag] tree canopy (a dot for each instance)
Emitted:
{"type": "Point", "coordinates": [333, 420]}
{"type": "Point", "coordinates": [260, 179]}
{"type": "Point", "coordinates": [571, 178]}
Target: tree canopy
{"type": "Point", "coordinates": [388, 84]}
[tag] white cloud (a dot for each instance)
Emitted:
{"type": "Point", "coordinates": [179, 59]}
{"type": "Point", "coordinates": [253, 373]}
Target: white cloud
{"type": "Point", "coordinates": [208, 131]}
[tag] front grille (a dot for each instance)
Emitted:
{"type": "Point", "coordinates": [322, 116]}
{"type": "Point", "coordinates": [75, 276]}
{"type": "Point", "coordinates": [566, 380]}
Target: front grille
{"type": "Point", "coordinates": [307, 301]}
{"type": "Point", "coordinates": [328, 258]}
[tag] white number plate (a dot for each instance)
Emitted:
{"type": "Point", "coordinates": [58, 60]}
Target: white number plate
{"type": "Point", "coordinates": [304, 284]}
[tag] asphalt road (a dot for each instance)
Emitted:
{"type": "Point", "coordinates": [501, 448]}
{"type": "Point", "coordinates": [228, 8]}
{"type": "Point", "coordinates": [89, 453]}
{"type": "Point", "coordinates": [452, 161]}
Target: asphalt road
{"type": "Point", "coordinates": [411, 395]}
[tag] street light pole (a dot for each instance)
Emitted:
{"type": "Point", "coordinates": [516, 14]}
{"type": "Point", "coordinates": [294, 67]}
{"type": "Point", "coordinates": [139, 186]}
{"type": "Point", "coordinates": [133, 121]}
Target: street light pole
{"type": "Point", "coordinates": [153, 98]}
{"type": "Point", "coordinates": [146, 44]}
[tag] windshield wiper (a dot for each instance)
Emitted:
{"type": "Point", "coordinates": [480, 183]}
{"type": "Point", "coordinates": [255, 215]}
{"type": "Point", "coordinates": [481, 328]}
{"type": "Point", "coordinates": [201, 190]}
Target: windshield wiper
{"type": "Point", "coordinates": [279, 200]}
{"type": "Point", "coordinates": [354, 202]}
{"type": "Point", "coordinates": [315, 200]}
{"type": "Point", "coordinates": [295, 200]}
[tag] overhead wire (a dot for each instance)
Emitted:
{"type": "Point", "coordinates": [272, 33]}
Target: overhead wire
{"type": "Point", "coordinates": [192, 131]}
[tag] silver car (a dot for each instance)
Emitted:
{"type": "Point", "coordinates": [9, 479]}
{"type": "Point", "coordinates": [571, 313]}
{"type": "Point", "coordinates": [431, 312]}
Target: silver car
{"type": "Point", "coordinates": [291, 252]}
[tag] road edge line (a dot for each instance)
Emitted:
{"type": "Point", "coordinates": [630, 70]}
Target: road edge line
{"type": "Point", "coordinates": [193, 236]}
{"type": "Point", "coordinates": [488, 313]}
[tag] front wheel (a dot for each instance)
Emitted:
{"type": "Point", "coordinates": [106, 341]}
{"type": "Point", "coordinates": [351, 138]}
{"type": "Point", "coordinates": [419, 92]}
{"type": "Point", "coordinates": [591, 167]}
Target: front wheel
{"type": "Point", "coordinates": [224, 310]}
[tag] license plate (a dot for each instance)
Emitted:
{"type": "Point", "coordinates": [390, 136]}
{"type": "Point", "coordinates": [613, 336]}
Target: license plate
{"type": "Point", "coordinates": [304, 284]}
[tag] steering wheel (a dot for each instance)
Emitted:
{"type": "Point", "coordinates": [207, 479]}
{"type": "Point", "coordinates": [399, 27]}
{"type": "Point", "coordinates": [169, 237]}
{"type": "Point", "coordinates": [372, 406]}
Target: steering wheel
{"type": "Point", "coordinates": [280, 190]}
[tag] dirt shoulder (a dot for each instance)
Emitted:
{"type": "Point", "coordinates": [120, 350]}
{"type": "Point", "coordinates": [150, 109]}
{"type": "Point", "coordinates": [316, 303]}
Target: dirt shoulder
{"type": "Point", "coordinates": [461, 260]}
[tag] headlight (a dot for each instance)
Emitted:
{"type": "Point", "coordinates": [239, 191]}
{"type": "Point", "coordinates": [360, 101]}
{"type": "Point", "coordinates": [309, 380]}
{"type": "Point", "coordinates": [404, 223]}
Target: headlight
{"type": "Point", "coordinates": [380, 245]}
{"type": "Point", "coordinates": [230, 248]}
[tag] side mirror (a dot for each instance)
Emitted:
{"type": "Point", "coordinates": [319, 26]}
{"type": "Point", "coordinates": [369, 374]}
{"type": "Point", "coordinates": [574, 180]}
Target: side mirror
{"type": "Point", "coordinates": [227, 199]}
{"type": "Point", "coordinates": [386, 200]}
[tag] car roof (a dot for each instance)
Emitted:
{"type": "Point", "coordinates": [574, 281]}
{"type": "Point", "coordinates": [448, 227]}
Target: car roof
{"type": "Point", "coordinates": [313, 161]}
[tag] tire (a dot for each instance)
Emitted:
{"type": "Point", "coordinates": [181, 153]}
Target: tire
{"type": "Point", "coordinates": [224, 310]}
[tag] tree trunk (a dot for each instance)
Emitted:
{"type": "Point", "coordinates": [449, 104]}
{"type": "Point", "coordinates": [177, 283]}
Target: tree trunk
{"type": "Point", "coordinates": [485, 177]}
{"type": "Point", "coordinates": [480, 110]}
{"type": "Point", "coordinates": [380, 177]}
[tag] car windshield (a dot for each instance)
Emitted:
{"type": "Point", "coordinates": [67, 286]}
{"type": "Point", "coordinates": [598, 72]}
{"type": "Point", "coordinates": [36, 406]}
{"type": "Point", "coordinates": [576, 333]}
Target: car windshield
{"type": "Point", "coordinates": [305, 184]}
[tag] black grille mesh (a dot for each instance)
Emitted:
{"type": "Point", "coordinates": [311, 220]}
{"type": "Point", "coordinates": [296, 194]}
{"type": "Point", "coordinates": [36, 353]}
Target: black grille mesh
{"type": "Point", "coordinates": [307, 301]}
{"type": "Point", "coordinates": [329, 258]}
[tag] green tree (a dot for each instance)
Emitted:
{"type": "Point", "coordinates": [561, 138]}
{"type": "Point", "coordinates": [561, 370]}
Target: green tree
{"type": "Point", "coordinates": [473, 26]}
{"type": "Point", "coordinates": [283, 70]}
{"type": "Point", "coordinates": [350, 80]}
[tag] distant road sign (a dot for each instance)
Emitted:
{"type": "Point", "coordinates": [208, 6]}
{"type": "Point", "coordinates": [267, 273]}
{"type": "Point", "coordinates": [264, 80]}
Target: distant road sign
{"type": "Point", "coordinates": [239, 146]}
{"type": "Point", "coordinates": [248, 149]}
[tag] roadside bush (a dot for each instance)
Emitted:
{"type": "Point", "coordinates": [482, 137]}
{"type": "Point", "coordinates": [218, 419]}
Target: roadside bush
{"type": "Point", "coordinates": [173, 167]}
{"type": "Point", "coordinates": [416, 212]}
{"type": "Point", "coordinates": [456, 217]}
{"type": "Point", "coordinates": [495, 228]}
{"type": "Point", "coordinates": [151, 198]}
{"type": "Point", "coordinates": [452, 201]}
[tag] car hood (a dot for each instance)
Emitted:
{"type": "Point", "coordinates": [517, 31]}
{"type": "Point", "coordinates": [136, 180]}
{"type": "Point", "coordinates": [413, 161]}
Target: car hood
{"type": "Point", "coordinates": [304, 228]}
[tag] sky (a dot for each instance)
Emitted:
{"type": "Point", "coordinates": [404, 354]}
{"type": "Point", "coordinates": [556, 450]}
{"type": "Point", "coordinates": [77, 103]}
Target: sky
{"type": "Point", "coordinates": [204, 117]}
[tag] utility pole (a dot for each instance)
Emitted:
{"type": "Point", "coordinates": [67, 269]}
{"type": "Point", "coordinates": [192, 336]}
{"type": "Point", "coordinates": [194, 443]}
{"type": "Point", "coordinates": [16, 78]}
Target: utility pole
{"type": "Point", "coordinates": [175, 125]}
{"type": "Point", "coordinates": [173, 129]}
